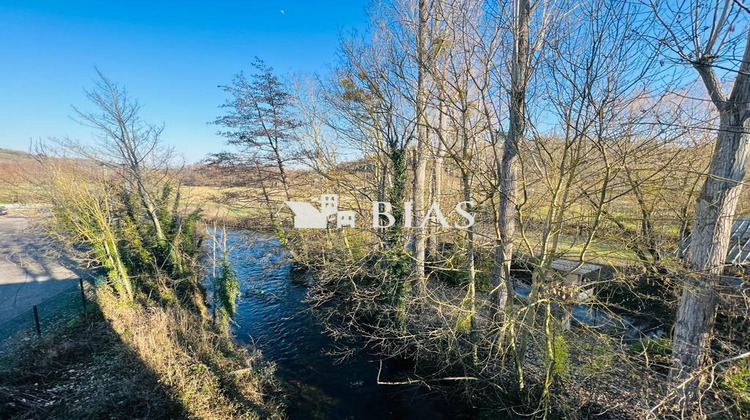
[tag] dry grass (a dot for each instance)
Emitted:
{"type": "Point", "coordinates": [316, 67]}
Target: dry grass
{"type": "Point", "coordinates": [134, 361]}
{"type": "Point", "coordinates": [209, 375]}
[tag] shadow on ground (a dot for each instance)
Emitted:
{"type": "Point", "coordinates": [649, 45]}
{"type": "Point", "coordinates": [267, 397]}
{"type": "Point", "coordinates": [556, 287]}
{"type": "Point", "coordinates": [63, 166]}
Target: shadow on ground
{"type": "Point", "coordinates": [83, 371]}
{"type": "Point", "coordinates": [33, 266]}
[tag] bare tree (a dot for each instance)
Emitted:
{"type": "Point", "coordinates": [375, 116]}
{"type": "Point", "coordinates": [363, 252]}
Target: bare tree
{"type": "Point", "coordinates": [132, 147]}
{"type": "Point", "coordinates": [123, 141]}
{"type": "Point", "coordinates": [705, 36]}
{"type": "Point", "coordinates": [261, 120]}
{"type": "Point", "coordinates": [521, 70]}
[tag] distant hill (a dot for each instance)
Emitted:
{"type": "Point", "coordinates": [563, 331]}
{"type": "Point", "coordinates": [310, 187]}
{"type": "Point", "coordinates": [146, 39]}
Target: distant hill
{"type": "Point", "coordinates": [9, 155]}
{"type": "Point", "coordinates": [18, 173]}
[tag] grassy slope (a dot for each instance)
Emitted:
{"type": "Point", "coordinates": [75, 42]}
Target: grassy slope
{"type": "Point", "coordinates": [129, 361]}
{"type": "Point", "coordinates": [18, 175]}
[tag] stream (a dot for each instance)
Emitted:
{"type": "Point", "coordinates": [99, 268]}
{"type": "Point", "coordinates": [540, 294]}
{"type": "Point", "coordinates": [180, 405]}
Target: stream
{"type": "Point", "coordinates": [272, 316]}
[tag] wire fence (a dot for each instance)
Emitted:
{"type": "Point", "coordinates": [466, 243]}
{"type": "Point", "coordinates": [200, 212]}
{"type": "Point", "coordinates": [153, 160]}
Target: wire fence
{"type": "Point", "coordinates": [45, 317]}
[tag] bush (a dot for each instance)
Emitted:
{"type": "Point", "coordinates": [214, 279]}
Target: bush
{"type": "Point", "coordinates": [735, 382]}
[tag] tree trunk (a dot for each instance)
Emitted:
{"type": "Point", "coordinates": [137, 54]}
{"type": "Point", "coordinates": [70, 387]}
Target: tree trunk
{"type": "Point", "coordinates": [282, 172]}
{"type": "Point", "coordinates": [508, 186]}
{"type": "Point", "coordinates": [706, 255]}
{"type": "Point", "coordinates": [437, 182]}
{"type": "Point", "coordinates": [715, 209]}
{"type": "Point", "coordinates": [466, 180]}
{"type": "Point", "coordinates": [420, 169]}
{"type": "Point", "coordinates": [397, 194]}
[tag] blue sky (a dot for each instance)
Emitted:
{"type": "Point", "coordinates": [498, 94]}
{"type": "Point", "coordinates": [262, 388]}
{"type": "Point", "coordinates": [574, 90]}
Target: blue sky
{"type": "Point", "coordinates": [170, 55]}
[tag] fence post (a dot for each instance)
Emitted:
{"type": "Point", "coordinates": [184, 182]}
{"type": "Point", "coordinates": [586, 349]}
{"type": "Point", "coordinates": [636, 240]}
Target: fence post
{"type": "Point", "coordinates": [83, 295]}
{"type": "Point", "coordinates": [36, 321]}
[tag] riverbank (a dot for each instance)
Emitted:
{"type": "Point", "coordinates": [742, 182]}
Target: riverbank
{"type": "Point", "coordinates": [127, 360]}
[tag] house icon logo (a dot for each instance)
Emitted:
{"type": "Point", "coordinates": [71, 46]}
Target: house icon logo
{"type": "Point", "coordinates": [306, 216]}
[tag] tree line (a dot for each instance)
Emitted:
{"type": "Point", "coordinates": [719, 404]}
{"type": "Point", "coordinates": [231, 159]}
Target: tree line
{"type": "Point", "coordinates": [602, 131]}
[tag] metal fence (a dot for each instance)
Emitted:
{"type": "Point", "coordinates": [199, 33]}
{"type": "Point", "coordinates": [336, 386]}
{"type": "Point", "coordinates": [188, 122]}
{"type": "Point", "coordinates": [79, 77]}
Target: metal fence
{"type": "Point", "coordinates": [44, 317]}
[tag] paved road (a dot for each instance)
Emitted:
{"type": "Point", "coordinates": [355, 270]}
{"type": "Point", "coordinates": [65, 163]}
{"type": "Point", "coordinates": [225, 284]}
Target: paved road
{"type": "Point", "coordinates": [32, 269]}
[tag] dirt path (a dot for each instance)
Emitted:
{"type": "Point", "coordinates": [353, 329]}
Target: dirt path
{"type": "Point", "coordinates": [32, 269]}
